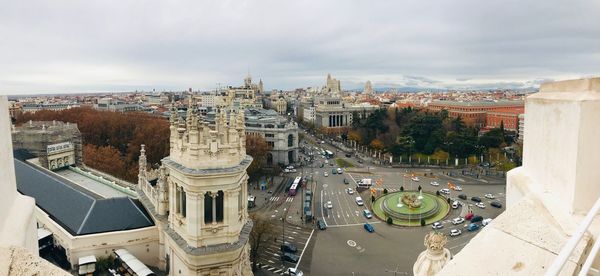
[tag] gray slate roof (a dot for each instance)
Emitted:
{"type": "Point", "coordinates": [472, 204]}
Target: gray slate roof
{"type": "Point", "coordinates": [75, 210]}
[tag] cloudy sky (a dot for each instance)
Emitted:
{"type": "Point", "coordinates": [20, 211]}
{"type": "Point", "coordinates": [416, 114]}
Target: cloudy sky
{"type": "Point", "coordinates": [86, 46]}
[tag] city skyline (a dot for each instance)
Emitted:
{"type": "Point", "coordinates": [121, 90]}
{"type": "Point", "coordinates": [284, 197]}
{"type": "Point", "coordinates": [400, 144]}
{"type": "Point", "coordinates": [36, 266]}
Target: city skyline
{"type": "Point", "coordinates": [95, 47]}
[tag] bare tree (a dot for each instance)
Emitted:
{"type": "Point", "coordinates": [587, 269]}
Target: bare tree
{"type": "Point", "coordinates": [262, 231]}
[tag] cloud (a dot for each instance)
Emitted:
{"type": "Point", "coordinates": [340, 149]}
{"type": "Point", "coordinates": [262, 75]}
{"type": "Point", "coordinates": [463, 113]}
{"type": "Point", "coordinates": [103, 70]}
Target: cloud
{"type": "Point", "coordinates": [115, 45]}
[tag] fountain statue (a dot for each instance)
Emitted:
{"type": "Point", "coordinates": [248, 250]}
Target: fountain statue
{"type": "Point", "coordinates": [411, 200]}
{"type": "Point", "coordinates": [433, 259]}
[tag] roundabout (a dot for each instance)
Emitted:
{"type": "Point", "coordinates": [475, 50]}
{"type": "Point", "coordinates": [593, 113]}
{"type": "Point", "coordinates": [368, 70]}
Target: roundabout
{"type": "Point", "coordinates": [409, 207]}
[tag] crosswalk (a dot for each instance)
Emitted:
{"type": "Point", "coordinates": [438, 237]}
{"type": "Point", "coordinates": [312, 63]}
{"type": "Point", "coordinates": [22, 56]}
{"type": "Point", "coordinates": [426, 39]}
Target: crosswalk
{"type": "Point", "coordinates": [277, 198]}
{"type": "Point", "coordinates": [270, 268]}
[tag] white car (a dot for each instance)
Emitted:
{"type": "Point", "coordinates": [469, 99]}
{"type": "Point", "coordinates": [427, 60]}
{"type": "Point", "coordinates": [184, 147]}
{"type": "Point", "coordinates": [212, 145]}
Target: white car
{"type": "Point", "coordinates": [359, 201]}
{"type": "Point", "coordinates": [416, 179]}
{"type": "Point", "coordinates": [486, 221]}
{"type": "Point", "coordinates": [445, 191]}
{"type": "Point", "coordinates": [458, 221]}
{"type": "Point", "coordinates": [490, 196]}
{"type": "Point", "coordinates": [329, 205]}
{"type": "Point", "coordinates": [480, 205]}
{"type": "Point", "coordinates": [325, 174]}
{"type": "Point", "coordinates": [434, 183]}
{"type": "Point", "coordinates": [350, 191]}
{"type": "Point", "coordinates": [458, 188]}
{"type": "Point", "coordinates": [339, 171]}
{"type": "Point", "coordinates": [437, 225]}
{"type": "Point", "coordinates": [455, 232]}
{"type": "Point", "coordinates": [455, 205]}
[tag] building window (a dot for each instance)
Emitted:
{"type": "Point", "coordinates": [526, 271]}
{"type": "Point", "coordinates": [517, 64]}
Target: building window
{"type": "Point", "coordinates": [220, 211]}
{"type": "Point", "coordinates": [290, 140]}
{"type": "Point", "coordinates": [183, 202]}
{"type": "Point", "coordinates": [208, 218]}
{"type": "Point", "coordinates": [177, 200]}
{"type": "Point", "coordinates": [270, 135]}
{"type": "Point", "coordinates": [271, 144]}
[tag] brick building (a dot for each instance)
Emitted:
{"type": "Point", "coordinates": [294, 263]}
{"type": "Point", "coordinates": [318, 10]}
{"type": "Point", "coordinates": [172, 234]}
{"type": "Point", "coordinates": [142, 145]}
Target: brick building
{"type": "Point", "coordinates": [475, 113]}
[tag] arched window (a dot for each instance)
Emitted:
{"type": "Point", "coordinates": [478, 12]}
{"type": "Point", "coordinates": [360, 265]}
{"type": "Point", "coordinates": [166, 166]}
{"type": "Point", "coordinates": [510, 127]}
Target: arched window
{"type": "Point", "coordinates": [290, 140]}
{"type": "Point", "coordinates": [269, 158]}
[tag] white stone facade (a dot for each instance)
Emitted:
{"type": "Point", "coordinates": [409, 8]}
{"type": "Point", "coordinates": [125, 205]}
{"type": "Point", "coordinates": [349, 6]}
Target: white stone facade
{"type": "Point", "coordinates": [199, 199]}
{"type": "Point", "coordinates": [550, 194]}
{"type": "Point", "coordinates": [17, 223]}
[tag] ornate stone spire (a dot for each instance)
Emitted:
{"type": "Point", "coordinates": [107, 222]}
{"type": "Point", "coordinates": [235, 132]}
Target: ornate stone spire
{"type": "Point", "coordinates": [435, 256]}
{"type": "Point", "coordinates": [142, 163]}
{"type": "Point", "coordinates": [173, 118]}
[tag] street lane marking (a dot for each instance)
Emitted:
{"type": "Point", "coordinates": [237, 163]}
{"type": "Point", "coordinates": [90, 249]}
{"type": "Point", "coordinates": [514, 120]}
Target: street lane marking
{"type": "Point", "coordinates": [355, 224]}
{"type": "Point", "coordinates": [304, 249]}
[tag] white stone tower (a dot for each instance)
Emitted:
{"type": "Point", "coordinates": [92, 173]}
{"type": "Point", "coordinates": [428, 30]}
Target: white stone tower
{"type": "Point", "coordinates": [201, 196]}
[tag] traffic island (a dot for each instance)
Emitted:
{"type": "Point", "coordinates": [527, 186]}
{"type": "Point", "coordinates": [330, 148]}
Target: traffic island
{"type": "Point", "coordinates": [409, 207]}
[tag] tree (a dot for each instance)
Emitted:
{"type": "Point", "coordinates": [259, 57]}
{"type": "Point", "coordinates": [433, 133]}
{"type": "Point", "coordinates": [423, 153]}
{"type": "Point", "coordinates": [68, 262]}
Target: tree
{"type": "Point", "coordinates": [389, 221]}
{"type": "Point", "coordinates": [385, 191]}
{"type": "Point", "coordinates": [437, 193]}
{"type": "Point", "coordinates": [257, 147]}
{"type": "Point", "coordinates": [402, 188]}
{"type": "Point", "coordinates": [449, 201]}
{"type": "Point", "coordinates": [422, 222]}
{"type": "Point", "coordinates": [262, 231]}
{"type": "Point", "coordinates": [420, 188]}
{"type": "Point", "coordinates": [376, 144]}
{"type": "Point", "coordinates": [372, 198]}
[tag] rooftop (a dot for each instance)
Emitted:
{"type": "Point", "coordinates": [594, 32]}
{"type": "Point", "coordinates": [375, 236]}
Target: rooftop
{"type": "Point", "coordinates": [76, 210]}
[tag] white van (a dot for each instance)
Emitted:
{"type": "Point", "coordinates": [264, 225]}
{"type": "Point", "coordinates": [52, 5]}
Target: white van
{"type": "Point", "coordinates": [359, 201]}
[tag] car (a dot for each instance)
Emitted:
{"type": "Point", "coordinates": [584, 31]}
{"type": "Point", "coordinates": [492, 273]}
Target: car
{"type": "Point", "coordinates": [416, 179]}
{"type": "Point", "coordinates": [476, 199]}
{"type": "Point", "coordinates": [360, 161]}
{"type": "Point", "coordinates": [469, 216]}
{"type": "Point", "coordinates": [367, 214]}
{"type": "Point", "coordinates": [288, 247]}
{"type": "Point", "coordinates": [437, 225]}
{"type": "Point", "coordinates": [476, 219]}
{"type": "Point", "coordinates": [359, 201]}
{"type": "Point", "coordinates": [489, 196]}
{"type": "Point", "coordinates": [331, 164]}
{"type": "Point", "coordinates": [455, 205]}
{"type": "Point", "coordinates": [322, 142]}
{"type": "Point", "coordinates": [473, 227]}
{"type": "Point", "coordinates": [458, 221]}
{"type": "Point", "coordinates": [290, 167]}
{"type": "Point", "coordinates": [321, 225]}
{"type": "Point", "coordinates": [289, 257]}
{"type": "Point", "coordinates": [333, 171]}
{"type": "Point", "coordinates": [486, 221]}
{"type": "Point", "coordinates": [496, 204]}
{"type": "Point", "coordinates": [325, 174]}
{"type": "Point", "coordinates": [350, 191]}
{"type": "Point", "coordinates": [346, 181]}
{"type": "Point", "coordinates": [445, 191]}
{"type": "Point", "coordinates": [455, 232]}
{"type": "Point", "coordinates": [457, 188]}
{"type": "Point", "coordinates": [348, 155]}
{"type": "Point", "coordinates": [462, 196]}
{"type": "Point", "coordinates": [328, 205]}
{"type": "Point", "coordinates": [294, 272]}
{"type": "Point", "coordinates": [480, 205]}
{"type": "Point", "coordinates": [322, 165]}
{"type": "Point", "coordinates": [339, 170]}
{"type": "Point", "coordinates": [434, 183]}
{"type": "Point", "coordinates": [369, 228]}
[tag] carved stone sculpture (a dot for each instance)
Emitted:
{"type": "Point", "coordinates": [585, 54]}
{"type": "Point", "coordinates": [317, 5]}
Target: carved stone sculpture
{"type": "Point", "coordinates": [433, 259]}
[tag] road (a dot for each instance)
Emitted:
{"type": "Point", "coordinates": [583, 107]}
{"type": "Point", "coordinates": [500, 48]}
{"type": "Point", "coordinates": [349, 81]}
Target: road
{"type": "Point", "coordinates": [345, 248]}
